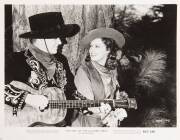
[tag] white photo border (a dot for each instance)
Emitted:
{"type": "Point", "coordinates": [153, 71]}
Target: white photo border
{"type": "Point", "coordinates": [84, 133]}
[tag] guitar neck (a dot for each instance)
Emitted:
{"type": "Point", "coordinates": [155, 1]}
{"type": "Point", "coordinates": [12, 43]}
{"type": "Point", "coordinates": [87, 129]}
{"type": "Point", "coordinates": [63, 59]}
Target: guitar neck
{"type": "Point", "coordinates": [90, 103]}
{"type": "Point", "coordinates": [74, 103]}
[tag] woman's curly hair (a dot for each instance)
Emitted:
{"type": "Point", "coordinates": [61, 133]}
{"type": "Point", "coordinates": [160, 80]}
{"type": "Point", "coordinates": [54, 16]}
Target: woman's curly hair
{"type": "Point", "coordinates": [111, 62]}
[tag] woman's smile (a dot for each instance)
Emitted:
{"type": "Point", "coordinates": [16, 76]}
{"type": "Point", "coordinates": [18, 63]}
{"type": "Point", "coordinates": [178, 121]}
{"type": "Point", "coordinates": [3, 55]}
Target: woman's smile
{"type": "Point", "coordinates": [92, 54]}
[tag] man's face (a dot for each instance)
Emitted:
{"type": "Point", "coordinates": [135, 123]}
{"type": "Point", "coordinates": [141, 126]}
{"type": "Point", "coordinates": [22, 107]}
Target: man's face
{"type": "Point", "coordinates": [52, 45]}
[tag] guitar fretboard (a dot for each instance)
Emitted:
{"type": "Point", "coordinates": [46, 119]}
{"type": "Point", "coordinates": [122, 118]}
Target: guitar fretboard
{"type": "Point", "coordinates": [86, 103]}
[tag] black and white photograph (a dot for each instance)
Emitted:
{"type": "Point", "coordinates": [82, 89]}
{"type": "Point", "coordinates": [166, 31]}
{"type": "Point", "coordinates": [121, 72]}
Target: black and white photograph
{"type": "Point", "coordinates": [109, 66]}
{"type": "Point", "coordinates": [105, 70]}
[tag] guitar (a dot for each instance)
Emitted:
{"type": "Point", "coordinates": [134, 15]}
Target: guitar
{"type": "Point", "coordinates": [57, 109]}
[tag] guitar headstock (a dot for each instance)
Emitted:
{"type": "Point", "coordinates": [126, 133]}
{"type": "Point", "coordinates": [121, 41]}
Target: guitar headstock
{"type": "Point", "coordinates": [132, 103]}
{"type": "Point", "coordinates": [129, 103]}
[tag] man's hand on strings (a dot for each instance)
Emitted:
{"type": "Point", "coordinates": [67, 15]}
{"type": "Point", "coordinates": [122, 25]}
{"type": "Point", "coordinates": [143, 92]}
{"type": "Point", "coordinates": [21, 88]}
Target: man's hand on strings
{"type": "Point", "coordinates": [37, 101]}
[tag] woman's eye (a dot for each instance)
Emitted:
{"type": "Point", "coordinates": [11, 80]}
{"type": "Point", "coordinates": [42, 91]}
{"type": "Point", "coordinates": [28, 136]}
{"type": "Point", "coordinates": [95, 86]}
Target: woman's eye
{"type": "Point", "coordinates": [94, 46]}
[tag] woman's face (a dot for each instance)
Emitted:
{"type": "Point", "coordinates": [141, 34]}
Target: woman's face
{"type": "Point", "coordinates": [98, 51]}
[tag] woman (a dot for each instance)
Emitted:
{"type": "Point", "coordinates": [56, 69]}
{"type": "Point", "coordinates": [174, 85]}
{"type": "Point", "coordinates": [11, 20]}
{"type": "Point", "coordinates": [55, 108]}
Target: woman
{"type": "Point", "coordinates": [96, 78]}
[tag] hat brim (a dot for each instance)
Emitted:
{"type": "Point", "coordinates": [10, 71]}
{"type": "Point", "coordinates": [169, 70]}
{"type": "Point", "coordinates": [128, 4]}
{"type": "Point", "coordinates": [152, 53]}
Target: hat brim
{"type": "Point", "coordinates": [103, 32]}
{"type": "Point", "coordinates": [68, 30]}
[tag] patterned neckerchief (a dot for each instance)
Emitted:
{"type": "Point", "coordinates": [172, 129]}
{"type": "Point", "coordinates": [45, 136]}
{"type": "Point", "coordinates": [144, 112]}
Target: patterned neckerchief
{"type": "Point", "coordinates": [41, 79]}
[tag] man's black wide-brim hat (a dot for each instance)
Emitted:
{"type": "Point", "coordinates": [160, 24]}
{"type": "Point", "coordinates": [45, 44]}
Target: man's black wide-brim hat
{"type": "Point", "coordinates": [50, 25]}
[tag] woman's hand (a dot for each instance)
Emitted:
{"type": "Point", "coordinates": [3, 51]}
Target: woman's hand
{"type": "Point", "coordinates": [121, 95]}
{"type": "Point", "coordinates": [109, 118]}
{"type": "Point", "coordinates": [39, 102]}
{"type": "Point", "coordinates": [115, 117]}
{"type": "Point", "coordinates": [102, 111]}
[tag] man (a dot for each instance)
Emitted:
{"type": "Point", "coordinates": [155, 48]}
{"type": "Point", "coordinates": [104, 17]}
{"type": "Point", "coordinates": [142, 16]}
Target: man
{"type": "Point", "coordinates": [28, 73]}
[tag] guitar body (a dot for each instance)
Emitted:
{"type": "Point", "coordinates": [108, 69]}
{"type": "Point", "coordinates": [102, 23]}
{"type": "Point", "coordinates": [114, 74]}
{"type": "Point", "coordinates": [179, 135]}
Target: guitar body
{"type": "Point", "coordinates": [29, 115]}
